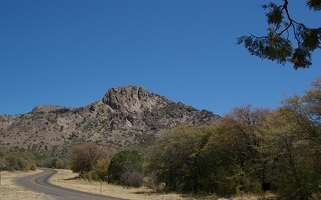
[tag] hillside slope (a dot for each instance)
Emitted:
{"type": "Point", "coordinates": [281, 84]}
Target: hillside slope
{"type": "Point", "coordinates": [125, 116]}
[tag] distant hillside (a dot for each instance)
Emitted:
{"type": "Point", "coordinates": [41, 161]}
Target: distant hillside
{"type": "Point", "coordinates": [125, 116]}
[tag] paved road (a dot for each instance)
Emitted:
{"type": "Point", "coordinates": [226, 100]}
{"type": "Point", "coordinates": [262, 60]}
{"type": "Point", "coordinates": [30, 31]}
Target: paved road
{"type": "Point", "coordinates": [39, 182]}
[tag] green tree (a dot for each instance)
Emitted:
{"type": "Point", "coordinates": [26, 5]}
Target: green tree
{"type": "Point", "coordinates": [125, 168]}
{"type": "Point", "coordinates": [19, 161]}
{"type": "Point", "coordinates": [175, 158]}
{"type": "Point", "coordinates": [293, 171]}
{"type": "Point", "coordinates": [234, 162]}
{"type": "Point", "coordinates": [296, 144]}
{"type": "Point", "coordinates": [276, 45]}
{"type": "Point", "coordinates": [307, 111]}
{"type": "Point", "coordinates": [85, 156]}
{"type": "Point", "coordinates": [100, 169]}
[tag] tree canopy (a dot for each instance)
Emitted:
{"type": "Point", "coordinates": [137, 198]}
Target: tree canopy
{"type": "Point", "coordinates": [249, 151]}
{"type": "Point", "coordinates": [279, 44]}
{"type": "Point", "coordinates": [85, 156]}
{"type": "Point", "coordinates": [126, 169]}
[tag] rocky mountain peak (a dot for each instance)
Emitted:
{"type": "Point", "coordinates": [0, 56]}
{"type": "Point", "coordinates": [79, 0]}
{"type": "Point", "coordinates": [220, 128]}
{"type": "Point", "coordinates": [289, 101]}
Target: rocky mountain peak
{"type": "Point", "coordinates": [132, 99]}
{"type": "Point", "coordinates": [125, 116]}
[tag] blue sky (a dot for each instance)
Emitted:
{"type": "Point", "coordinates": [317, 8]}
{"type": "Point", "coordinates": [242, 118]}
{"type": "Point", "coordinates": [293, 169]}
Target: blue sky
{"type": "Point", "coordinates": [70, 52]}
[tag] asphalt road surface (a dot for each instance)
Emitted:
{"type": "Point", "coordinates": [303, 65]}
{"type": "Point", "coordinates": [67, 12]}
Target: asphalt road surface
{"type": "Point", "coordinates": [40, 183]}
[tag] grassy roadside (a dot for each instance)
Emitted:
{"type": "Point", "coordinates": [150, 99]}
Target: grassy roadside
{"type": "Point", "coordinates": [9, 190]}
{"type": "Point", "coordinates": [64, 178]}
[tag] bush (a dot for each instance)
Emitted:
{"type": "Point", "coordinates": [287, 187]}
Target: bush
{"type": "Point", "coordinates": [85, 156]}
{"type": "Point", "coordinates": [3, 164]}
{"type": "Point", "coordinates": [132, 178]}
{"type": "Point", "coordinates": [17, 161]}
{"type": "Point", "coordinates": [175, 162]}
{"type": "Point", "coordinates": [57, 163]}
{"type": "Point", "coordinates": [126, 169]}
{"type": "Point", "coordinates": [100, 170]}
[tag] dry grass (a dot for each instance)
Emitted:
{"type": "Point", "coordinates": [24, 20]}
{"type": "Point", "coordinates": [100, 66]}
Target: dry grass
{"type": "Point", "coordinates": [9, 190]}
{"type": "Point", "coordinates": [64, 178]}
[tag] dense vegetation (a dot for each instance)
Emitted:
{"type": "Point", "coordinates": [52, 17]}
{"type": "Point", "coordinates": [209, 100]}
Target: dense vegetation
{"type": "Point", "coordinates": [250, 150]}
{"type": "Point", "coordinates": [126, 169]}
{"type": "Point", "coordinates": [91, 161]}
{"type": "Point", "coordinates": [17, 161]}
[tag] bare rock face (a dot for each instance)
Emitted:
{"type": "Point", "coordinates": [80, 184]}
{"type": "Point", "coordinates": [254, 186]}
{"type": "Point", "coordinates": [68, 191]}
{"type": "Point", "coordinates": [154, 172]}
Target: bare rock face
{"type": "Point", "coordinates": [125, 116]}
{"type": "Point", "coordinates": [131, 99]}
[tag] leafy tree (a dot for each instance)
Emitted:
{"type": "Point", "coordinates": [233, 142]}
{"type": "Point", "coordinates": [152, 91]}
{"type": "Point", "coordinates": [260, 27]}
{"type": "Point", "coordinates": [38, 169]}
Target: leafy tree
{"type": "Point", "coordinates": [276, 45]}
{"type": "Point", "coordinates": [125, 168]}
{"type": "Point", "coordinates": [293, 173]}
{"type": "Point", "coordinates": [175, 158]}
{"type": "Point", "coordinates": [234, 161]}
{"type": "Point", "coordinates": [19, 161]}
{"type": "Point", "coordinates": [307, 111]}
{"type": "Point", "coordinates": [100, 169]}
{"type": "Point", "coordinates": [296, 142]}
{"type": "Point", "coordinates": [85, 156]}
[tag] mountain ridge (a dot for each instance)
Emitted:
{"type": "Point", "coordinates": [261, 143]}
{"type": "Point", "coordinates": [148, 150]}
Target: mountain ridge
{"type": "Point", "coordinates": [125, 116]}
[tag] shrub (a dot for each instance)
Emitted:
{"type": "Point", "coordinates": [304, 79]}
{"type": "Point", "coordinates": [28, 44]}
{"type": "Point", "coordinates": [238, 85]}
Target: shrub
{"type": "Point", "coordinates": [17, 161]}
{"type": "Point", "coordinates": [85, 156]}
{"type": "Point", "coordinates": [126, 169]}
{"type": "Point", "coordinates": [100, 169]}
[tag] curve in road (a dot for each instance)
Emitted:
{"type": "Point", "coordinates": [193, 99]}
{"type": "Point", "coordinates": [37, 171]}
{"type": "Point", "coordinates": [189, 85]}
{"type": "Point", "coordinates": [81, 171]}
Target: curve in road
{"type": "Point", "coordinates": [40, 183]}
